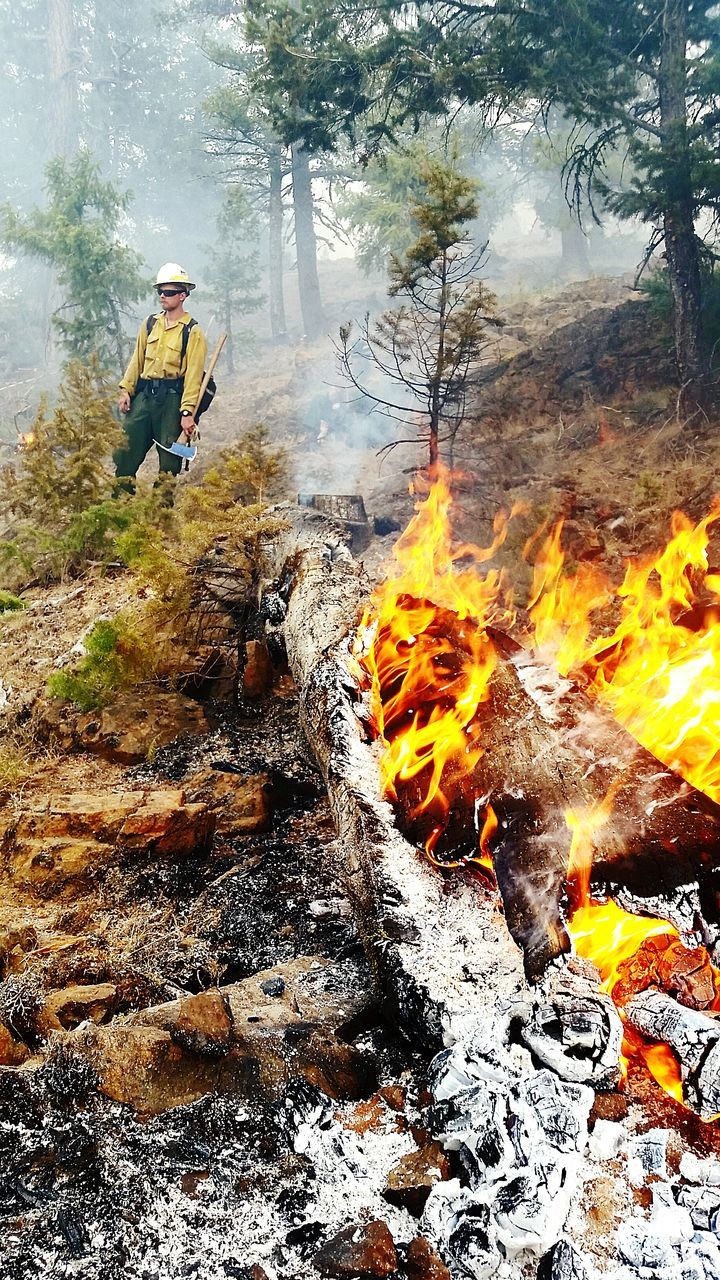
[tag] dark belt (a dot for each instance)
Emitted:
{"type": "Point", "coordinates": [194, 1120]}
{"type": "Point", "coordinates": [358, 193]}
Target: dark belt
{"type": "Point", "coordinates": [160, 386]}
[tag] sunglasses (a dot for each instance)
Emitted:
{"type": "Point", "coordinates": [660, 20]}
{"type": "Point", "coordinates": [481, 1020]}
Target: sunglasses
{"type": "Point", "coordinates": [169, 293]}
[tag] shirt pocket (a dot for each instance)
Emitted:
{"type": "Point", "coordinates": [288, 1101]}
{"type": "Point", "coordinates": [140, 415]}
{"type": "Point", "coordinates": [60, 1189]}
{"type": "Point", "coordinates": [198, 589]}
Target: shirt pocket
{"type": "Point", "coordinates": [172, 353]}
{"type": "Point", "coordinates": [152, 365]}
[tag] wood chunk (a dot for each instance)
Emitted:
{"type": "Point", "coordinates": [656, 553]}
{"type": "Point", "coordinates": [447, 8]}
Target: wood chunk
{"type": "Point", "coordinates": [547, 749]}
{"type": "Point", "coordinates": [694, 1037]}
{"type": "Point", "coordinates": [663, 961]}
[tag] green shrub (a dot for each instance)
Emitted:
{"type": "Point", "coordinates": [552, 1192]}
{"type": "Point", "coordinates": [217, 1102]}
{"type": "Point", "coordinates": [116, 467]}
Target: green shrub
{"type": "Point", "coordinates": [9, 603]}
{"type": "Point", "coordinates": [116, 654]}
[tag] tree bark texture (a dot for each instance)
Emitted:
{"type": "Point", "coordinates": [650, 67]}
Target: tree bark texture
{"type": "Point", "coordinates": [681, 246]}
{"type": "Point", "coordinates": [62, 56]}
{"type": "Point", "coordinates": [306, 244]}
{"type": "Point", "coordinates": [278, 323]}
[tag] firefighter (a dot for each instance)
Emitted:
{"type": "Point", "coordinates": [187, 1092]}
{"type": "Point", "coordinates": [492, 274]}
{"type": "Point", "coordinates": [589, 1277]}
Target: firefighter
{"type": "Point", "coordinates": [160, 388]}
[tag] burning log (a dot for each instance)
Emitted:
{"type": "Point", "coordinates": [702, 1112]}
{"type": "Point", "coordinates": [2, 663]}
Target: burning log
{"type": "Point", "coordinates": [545, 752]}
{"type": "Point", "coordinates": [695, 1039]}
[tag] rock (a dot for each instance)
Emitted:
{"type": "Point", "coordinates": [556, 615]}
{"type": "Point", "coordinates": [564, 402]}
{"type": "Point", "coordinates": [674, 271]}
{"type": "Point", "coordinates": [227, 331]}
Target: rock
{"type": "Point", "coordinates": [69, 836]}
{"type": "Point", "coordinates": [258, 673]}
{"type": "Point", "coordinates": [423, 1263]}
{"type": "Point", "coordinates": [241, 805]}
{"type": "Point", "coordinates": [235, 1040]}
{"type": "Point", "coordinates": [273, 986]}
{"type": "Point", "coordinates": [299, 1032]}
{"type": "Point", "coordinates": [76, 1004]}
{"type": "Point", "coordinates": [144, 1068]}
{"type": "Point", "coordinates": [205, 672]}
{"type": "Point", "coordinates": [358, 1250]}
{"type": "Point", "coordinates": [127, 731]}
{"type": "Point", "coordinates": [409, 1182]}
{"type": "Point", "coordinates": [394, 1095]}
{"type": "Point", "coordinates": [12, 1052]}
{"type": "Point", "coordinates": [203, 1024]}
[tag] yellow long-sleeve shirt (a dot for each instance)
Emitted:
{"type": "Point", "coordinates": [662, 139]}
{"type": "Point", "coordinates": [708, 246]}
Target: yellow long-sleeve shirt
{"type": "Point", "coordinates": [157, 355]}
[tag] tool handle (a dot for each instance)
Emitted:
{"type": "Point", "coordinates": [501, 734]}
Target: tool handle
{"type": "Point", "coordinates": [209, 371]}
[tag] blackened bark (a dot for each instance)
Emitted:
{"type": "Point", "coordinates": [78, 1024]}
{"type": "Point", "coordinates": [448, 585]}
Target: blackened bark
{"type": "Point", "coordinates": [278, 324]}
{"type": "Point", "coordinates": [306, 244]}
{"type": "Point", "coordinates": [681, 245]}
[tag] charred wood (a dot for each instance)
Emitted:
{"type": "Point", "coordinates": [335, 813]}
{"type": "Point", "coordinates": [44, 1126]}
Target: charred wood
{"type": "Point", "coordinates": [694, 1037]}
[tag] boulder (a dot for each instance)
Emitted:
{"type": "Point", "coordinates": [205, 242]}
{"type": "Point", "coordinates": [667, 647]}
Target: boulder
{"type": "Point", "coordinates": [144, 1068]}
{"type": "Point", "coordinates": [130, 729]}
{"type": "Point", "coordinates": [238, 1039]}
{"type": "Point", "coordinates": [362, 1249]}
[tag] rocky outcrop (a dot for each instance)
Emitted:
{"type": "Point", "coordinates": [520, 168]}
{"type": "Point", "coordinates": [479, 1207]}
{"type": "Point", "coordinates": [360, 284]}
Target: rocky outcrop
{"type": "Point", "coordinates": [252, 1037]}
{"type": "Point", "coordinates": [129, 730]}
{"type": "Point", "coordinates": [61, 839]}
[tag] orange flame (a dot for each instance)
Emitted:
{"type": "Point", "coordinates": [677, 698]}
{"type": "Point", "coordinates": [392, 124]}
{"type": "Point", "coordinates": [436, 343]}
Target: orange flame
{"type": "Point", "coordinates": [424, 646]}
{"type": "Point", "coordinates": [428, 684]}
{"type": "Point", "coordinates": [658, 670]}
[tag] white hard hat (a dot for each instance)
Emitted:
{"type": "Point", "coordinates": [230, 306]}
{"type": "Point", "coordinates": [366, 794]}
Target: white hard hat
{"type": "Point", "coordinates": [173, 273]}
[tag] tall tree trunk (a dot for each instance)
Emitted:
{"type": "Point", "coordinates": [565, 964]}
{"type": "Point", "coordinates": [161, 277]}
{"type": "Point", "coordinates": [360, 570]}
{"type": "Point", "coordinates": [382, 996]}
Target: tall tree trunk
{"type": "Point", "coordinates": [575, 264]}
{"type": "Point", "coordinates": [278, 324]}
{"type": "Point", "coordinates": [306, 244]}
{"type": "Point", "coordinates": [62, 57]}
{"type": "Point", "coordinates": [681, 246]}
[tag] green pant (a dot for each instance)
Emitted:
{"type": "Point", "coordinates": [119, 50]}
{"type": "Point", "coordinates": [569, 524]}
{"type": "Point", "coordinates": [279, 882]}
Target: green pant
{"type": "Point", "coordinates": [153, 419]}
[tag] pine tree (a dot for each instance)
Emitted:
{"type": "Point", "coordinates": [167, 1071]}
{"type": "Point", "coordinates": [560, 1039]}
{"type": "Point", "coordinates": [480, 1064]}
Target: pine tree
{"type": "Point", "coordinates": [55, 499]}
{"type": "Point", "coordinates": [426, 346]}
{"type": "Point", "coordinates": [76, 233]}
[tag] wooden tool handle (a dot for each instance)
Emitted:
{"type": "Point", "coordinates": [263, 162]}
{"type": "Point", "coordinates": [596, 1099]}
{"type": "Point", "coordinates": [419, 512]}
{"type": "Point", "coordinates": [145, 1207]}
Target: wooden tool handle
{"type": "Point", "coordinates": [209, 371]}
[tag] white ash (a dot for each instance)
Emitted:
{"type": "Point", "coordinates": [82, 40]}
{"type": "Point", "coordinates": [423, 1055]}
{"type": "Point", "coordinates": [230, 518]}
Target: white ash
{"type": "Point", "coordinates": [520, 1134]}
{"type": "Point", "coordinates": [647, 1154]}
{"type": "Point", "coordinates": [351, 1168]}
{"type": "Point", "coordinates": [694, 1169]}
{"type": "Point", "coordinates": [607, 1140]}
{"type": "Point", "coordinates": [703, 1205]}
{"type": "Point", "coordinates": [656, 1251]}
{"type": "Point", "coordinates": [668, 1217]}
{"type": "Point", "coordinates": [573, 1027]}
